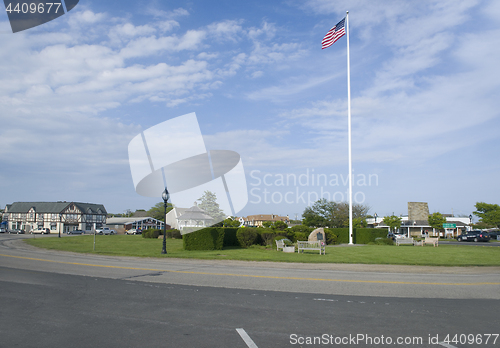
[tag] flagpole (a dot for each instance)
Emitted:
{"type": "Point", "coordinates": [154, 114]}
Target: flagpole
{"type": "Point", "coordinates": [349, 127]}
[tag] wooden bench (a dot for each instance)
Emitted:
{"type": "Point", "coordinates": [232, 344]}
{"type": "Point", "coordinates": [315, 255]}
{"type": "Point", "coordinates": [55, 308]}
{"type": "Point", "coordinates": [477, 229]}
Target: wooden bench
{"type": "Point", "coordinates": [432, 240]}
{"type": "Point", "coordinates": [318, 245]}
{"type": "Point", "coordinates": [280, 244]}
{"type": "Point", "coordinates": [404, 240]}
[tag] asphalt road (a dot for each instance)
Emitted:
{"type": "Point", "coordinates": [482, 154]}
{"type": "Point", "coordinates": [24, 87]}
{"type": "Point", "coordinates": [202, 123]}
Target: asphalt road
{"type": "Point", "coordinates": [53, 299]}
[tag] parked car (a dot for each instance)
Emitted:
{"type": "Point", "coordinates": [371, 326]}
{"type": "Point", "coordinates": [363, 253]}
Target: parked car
{"type": "Point", "coordinates": [76, 232]}
{"type": "Point", "coordinates": [134, 231]}
{"type": "Point", "coordinates": [16, 231]}
{"type": "Point", "coordinates": [41, 231]}
{"type": "Point", "coordinates": [494, 235]}
{"type": "Point", "coordinates": [105, 230]}
{"type": "Point", "coordinates": [395, 236]}
{"type": "Point", "coordinates": [476, 236]}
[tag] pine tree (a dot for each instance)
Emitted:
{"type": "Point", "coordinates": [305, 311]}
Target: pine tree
{"type": "Point", "coordinates": [208, 202]}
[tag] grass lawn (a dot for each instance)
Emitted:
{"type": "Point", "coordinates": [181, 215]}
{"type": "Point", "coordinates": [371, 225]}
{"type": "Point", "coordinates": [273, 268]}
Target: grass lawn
{"type": "Point", "coordinates": [121, 245]}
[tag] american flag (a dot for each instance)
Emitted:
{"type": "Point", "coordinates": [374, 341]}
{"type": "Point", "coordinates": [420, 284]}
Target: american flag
{"type": "Point", "coordinates": [334, 34]}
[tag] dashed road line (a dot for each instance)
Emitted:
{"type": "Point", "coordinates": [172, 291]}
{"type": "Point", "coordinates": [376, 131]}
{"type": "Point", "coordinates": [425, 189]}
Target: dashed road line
{"type": "Point", "coordinates": [246, 338]}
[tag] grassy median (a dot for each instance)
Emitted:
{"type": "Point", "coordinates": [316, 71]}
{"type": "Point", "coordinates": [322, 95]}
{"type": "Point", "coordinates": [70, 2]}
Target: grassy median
{"type": "Point", "coordinates": [121, 245]}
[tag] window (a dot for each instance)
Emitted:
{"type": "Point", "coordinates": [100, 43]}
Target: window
{"type": "Point", "coordinates": [53, 226]}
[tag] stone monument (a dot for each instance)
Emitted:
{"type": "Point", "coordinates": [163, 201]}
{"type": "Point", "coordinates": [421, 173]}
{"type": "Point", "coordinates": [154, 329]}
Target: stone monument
{"type": "Point", "coordinates": [317, 234]}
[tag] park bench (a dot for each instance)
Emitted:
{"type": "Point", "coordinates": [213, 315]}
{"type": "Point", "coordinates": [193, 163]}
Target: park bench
{"type": "Point", "coordinates": [404, 240]}
{"type": "Point", "coordinates": [280, 244]}
{"type": "Point", "coordinates": [317, 245]}
{"type": "Point", "coordinates": [432, 240]}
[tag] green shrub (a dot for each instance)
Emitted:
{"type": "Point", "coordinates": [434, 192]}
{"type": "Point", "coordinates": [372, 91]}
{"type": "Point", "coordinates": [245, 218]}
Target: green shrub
{"type": "Point", "coordinates": [151, 233]}
{"type": "Point", "coordinates": [230, 236]}
{"type": "Point", "coordinates": [301, 228]}
{"type": "Point", "coordinates": [341, 233]}
{"type": "Point", "coordinates": [302, 236]}
{"type": "Point", "coordinates": [367, 235]}
{"type": "Point", "coordinates": [246, 236]}
{"type": "Point", "coordinates": [210, 238]}
{"type": "Point", "coordinates": [267, 235]}
{"type": "Point", "coordinates": [173, 233]}
{"type": "Point", "coordinates": [331, 238]}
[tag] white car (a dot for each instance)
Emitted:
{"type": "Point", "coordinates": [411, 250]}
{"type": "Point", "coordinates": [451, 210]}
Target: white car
{"type": "Point", "coordinates": [41, 231]}
{"type": "Point", "coordinates": [133, 231]}
{"type": "Point", "coordinates": [105, 230]}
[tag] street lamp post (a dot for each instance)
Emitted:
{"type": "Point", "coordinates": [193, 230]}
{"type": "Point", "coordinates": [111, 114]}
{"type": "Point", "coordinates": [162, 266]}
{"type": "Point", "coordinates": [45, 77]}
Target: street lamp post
{"type": "Point", "coordinates": [60, 224]}
{"type": "Point", "coordinates": [375, 215]}
{"type": "Point", "coordinates": [470, 222]}
{"type": "Point", "coordinates": [165, 195]}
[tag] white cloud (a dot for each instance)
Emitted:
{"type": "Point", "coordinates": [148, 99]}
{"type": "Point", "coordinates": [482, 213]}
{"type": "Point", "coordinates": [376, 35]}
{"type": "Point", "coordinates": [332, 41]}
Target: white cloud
{"type": "Point", "coordinates": [128, 30]}
{"type": "Point", "coordinates": [226, 30]}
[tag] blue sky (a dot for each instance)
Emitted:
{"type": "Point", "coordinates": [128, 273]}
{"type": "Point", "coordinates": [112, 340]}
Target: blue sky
{"type": "Point", "coordinates": [424, 81]}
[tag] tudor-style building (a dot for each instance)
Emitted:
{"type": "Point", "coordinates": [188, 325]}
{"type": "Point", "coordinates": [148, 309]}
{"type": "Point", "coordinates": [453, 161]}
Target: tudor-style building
{"type": "Point", "coordinates": [56, 216]}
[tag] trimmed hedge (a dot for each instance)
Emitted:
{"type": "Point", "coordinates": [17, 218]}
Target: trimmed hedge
{"type": "Point", "coordinates": [210, 238]}
{"type": "Point", "coordinates": [341, 233]}
{"type": "Point", "coordinates": [230, 236]}
{"type": "Point", "coordinates": [368, 235]}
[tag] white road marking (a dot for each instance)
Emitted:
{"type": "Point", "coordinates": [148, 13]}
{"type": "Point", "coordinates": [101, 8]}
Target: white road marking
{"type": "Point", "coordinates": [446, 345]}
{"type": "Point", "coordinates": [246, 338]}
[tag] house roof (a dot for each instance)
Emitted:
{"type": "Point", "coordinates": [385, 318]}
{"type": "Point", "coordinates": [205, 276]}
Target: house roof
{"type": "Point", "coordinates": [140, 213]}
{"type": "Point", "coordinates": [53, 207]}
{"type": "Point", "coordinates": [194, 213]}
{"type": "Point", "coordinates": [266, 217]}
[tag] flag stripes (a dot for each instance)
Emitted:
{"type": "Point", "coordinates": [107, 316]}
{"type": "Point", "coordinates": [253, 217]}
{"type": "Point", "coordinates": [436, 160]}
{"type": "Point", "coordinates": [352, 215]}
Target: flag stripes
{"type": "Point", "coordinates": [334, 34]}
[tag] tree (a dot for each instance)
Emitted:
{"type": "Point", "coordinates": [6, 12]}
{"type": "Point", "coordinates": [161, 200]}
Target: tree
{"type": "Point", "coordinates": [231, 222]}
{"type": "Point", "coordinates": [393, 221]}
{"type": "Point", "coordinates": [488, 214]}
{"type": "Point", "coordinates": [279, 225]}
{"type": "Point", "coordinates": [325, 213]}
{"type": "Point", "coordinates": [267, 224]}
{"type": "Point", "coordinates": [211, 207]}
{"type": "Point", "coordinates": [436, 221]}
{"type": "Point", "coordinates": [157, 212]}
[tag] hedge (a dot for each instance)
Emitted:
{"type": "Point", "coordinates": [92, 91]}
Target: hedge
{"type": "Point", "coordinates": [247, 236]}
{"type": "Point", "coordinates": [341, 233]}
{"type": "Point", "coordinates": [210, 238]}
{"type": "Point", "coordinates": [151, 233]}
{"type": "Point", "coordinates": [230, 236]}
{"type": "Point", "coordinates": [368, 235]}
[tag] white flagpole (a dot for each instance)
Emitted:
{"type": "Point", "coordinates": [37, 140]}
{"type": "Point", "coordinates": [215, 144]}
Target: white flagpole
{"type": "Point", "coordinates": [349, 127]}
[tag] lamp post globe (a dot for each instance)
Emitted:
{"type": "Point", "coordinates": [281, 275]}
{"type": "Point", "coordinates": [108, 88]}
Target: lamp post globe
{"type": "Point", "coordinates": [165, 196]}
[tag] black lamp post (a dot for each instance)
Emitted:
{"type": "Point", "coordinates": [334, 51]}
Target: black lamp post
{"type": "Point", "coordinates": [375, 215]}
{"type": "Point", "coordinates": [470, 221]}
{"type": "Point", "coordinates": [60, 224]}
{"type": "Point", "coordinates": [165, 195]}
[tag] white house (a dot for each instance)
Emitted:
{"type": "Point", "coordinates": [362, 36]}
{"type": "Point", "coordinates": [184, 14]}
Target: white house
{"type": "Point", "coordinates": [180, 218]}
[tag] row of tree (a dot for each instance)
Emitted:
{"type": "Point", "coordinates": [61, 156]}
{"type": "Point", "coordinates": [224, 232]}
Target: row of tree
{"type": "Point", "coordinates": [324, 213]}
